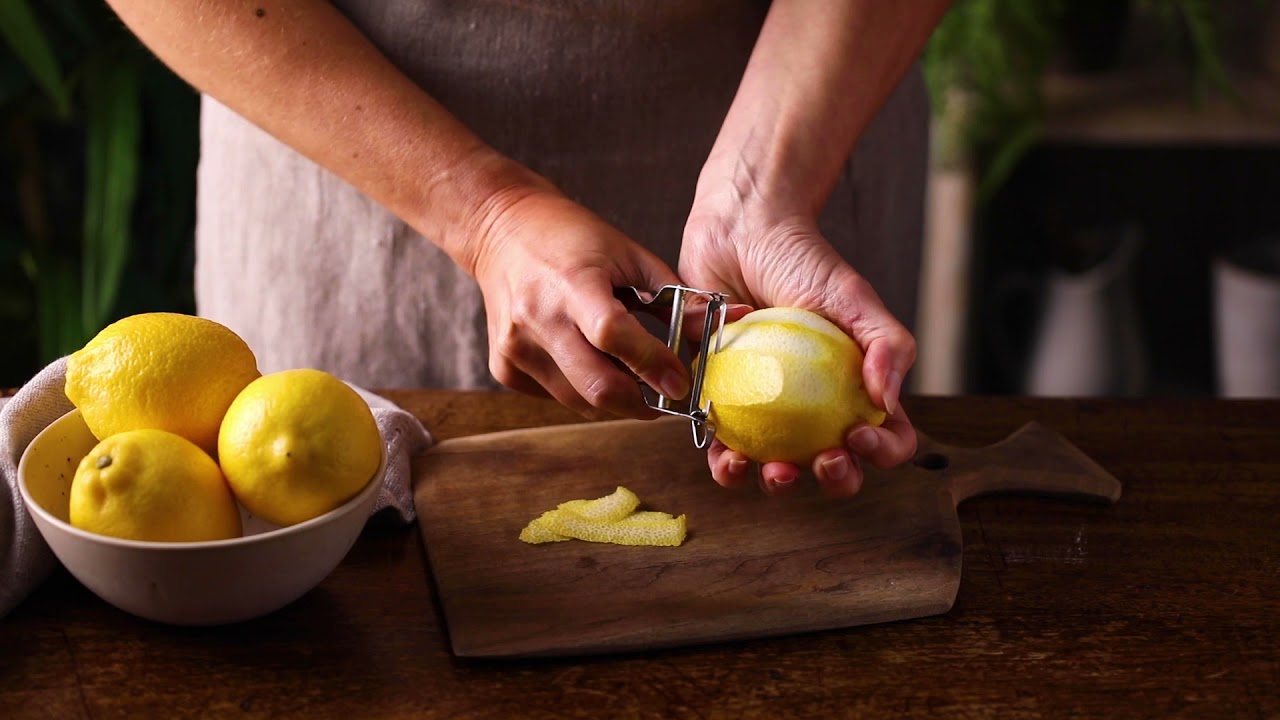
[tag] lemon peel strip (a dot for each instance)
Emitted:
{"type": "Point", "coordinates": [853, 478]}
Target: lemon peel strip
{"type": "Point", "coordinates": [538, 531]}
{"type": "Point", "coordinates": [652, 532]}
{"type": "Point", "coordinates": [614, 506]}
{"type": "Point", "coordinates": [646, 516]}
{"type": "Point", "coordinates": [610, 519]}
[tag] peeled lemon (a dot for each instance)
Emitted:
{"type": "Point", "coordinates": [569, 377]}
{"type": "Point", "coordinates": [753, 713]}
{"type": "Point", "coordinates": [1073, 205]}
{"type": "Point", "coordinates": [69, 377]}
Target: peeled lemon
{"type": "Point", "coordinates": [163, 371]}
{"type": "Point", "coordinates": [785, 385]}
{"type": "Point", "coordinates": [152, 485]}
{"type": "Point", "coordinates": [296, 444]}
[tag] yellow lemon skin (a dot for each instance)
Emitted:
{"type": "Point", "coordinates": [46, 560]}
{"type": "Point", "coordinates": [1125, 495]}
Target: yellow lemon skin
{"type": "Point", "coordinates": [154, 486]}
{"type": "Point", "coordinates": [785, 385]}
{"type": "Point", "coordinates": [296, 444]}
{"type": "Point", "coordinates": [166, 371]}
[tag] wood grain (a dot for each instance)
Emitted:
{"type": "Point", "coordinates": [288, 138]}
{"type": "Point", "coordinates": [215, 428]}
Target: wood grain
{"type": "Point", "coordinates": [1166, 605]}
{"type": "Point", "coordinates": [751, 567]}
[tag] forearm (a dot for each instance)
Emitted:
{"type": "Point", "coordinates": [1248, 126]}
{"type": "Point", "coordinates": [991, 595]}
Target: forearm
{"type": "Point", "coordinates": [818, 74]}
{"type": "Point", "coordinates": [302, 72]}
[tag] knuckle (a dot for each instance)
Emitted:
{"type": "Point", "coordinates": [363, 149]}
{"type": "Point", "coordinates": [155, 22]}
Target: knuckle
{"type": "Point", "coordinates": [568, 398]}
{"type": "Point", "coordinates": [504, 372]}
{"type": "Point", "coordinates": [505, 348]}
{"type": "Point", "coordinates": [607, 330]}
{"type": "Point", "coordinates": [911, 446]}
{"type": "Point", "coordinates": [510, 347]}
{"type": "Point", "coordinates": [854, 285]}
{"type": "Point", "coordinates": [524, 310]}
{"type": "Point", "coordinates": [606, 392]}
{"type": "Point", "coordinates": [909, 348]}
{"type": "Point", "coordinates": [897, 453]}
{"type": "Point", "coordinates": [585, 406]}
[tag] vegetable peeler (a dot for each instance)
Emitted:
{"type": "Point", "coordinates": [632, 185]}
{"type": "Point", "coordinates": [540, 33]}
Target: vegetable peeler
{"type": "Point", "coordinates": [675, 298]}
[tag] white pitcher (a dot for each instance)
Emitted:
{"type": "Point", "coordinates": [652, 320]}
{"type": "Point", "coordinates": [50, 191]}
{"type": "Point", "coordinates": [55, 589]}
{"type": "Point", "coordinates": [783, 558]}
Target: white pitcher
{"type": "Point", "coordinates": [1088, 341]}
{"type": "Point", "coordinates": [1246, 305]}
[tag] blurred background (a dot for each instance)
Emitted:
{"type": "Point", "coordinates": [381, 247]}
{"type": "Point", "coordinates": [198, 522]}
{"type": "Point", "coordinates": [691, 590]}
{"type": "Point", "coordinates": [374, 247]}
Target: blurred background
{"type": "Point", "coordinates": [1103, 214]}
{"type": "Point", "coordinates": [1102, 203]}
{"type": "Point", "coordinates": [98, 145]}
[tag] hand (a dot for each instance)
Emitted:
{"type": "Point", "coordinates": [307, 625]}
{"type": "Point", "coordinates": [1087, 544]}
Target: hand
{"type": "Point", "coordinates": [547, 268]}
{"type": "Point", "coordinates": [787, 262]}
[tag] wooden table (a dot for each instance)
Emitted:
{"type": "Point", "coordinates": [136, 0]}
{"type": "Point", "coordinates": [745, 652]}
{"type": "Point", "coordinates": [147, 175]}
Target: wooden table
{"type": "Point", "coordinates": [1166, 605]}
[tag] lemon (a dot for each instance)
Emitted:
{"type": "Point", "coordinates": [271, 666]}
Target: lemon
{"type": "Point", "coordinates": [296, 444]}
{"type": "Point", "coordinates": [165, 371]}
{"type": "Point", "coordinates": [152, 485]}
{"type": "Point", "coordinates": [785, 385]}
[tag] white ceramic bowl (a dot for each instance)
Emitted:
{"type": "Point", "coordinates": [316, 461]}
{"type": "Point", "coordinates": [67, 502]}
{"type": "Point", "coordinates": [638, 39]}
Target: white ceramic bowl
{"type": "Point", "coordinates": [196, 583]}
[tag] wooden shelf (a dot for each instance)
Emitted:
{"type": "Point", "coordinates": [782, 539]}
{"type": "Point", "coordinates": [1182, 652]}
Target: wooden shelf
{"type": "Point", "coordinates": [1154, 107]}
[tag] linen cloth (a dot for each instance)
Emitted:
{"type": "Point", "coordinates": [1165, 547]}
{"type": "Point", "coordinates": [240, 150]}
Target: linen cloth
{"type": "Point", "coordinates": [25, 558]}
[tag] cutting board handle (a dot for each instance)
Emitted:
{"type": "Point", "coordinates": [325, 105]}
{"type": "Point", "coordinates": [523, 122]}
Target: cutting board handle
{"type": "Point", "coordinates": [1035, 460]}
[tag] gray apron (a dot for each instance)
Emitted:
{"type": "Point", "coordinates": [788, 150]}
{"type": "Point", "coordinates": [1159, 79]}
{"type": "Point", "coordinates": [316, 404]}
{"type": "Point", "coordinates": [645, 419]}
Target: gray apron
{"type": "Point", "coordinates": [616, 102]}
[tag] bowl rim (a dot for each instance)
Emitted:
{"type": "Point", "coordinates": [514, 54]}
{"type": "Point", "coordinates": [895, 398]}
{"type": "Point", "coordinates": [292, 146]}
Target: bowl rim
{"type": "Point", "coordinates": [371, 487]}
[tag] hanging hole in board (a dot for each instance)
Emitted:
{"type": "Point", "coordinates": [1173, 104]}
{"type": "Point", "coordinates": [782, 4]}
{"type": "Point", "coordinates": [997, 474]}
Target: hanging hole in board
{"type": "Point", "coordinates": [931, 461]}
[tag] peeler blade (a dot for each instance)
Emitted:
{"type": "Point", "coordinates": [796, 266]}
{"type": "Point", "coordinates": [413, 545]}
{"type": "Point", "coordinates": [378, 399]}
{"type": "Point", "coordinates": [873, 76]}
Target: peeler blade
{"type": "Point", "coordinates": [675, 299]}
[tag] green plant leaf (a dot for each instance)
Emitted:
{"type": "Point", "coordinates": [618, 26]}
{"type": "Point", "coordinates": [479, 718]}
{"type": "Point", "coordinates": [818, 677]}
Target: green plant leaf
{"type": "Point", "coordinates": [1207, 69]}
{"type": "Point", "coordinates": [1004, 159]}
{"type": "Point", "coordinates": [58, 315]}
{"type": "Point", "coordinates": [992, 55]}
{"type": "Point", "coordinates": [22, 32]}
{"type": "Point", "coordinates": [112, 148]}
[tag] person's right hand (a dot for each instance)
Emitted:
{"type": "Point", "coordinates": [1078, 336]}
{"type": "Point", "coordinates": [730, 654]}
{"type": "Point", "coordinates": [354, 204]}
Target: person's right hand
{"type": "Point", "coordinates": [547, 268]}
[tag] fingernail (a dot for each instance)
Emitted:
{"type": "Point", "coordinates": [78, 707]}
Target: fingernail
{"type": "Point", "coordinates": [783, 481]}
{"type": "Point", "coordinates": [836, 468]}
{"type": "Point", "coordinates": [892, 386]}
{"type": "Point", "coordinates": [737, 466]}
{"type": "Point", "coordinates": [864, 440]}
{"type": "Point", "coordinates": [673, 384]}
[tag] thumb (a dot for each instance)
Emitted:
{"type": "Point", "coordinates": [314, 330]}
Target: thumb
{"type": "Point", "coordinates": [886, 362]}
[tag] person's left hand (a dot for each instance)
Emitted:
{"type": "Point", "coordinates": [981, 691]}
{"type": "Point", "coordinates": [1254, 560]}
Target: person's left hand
{"type": "Point", "coordinates": [787, 262]}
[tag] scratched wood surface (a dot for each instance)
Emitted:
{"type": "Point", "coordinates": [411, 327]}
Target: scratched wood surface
{"type": "Point", "coordinates": [1165, 606]}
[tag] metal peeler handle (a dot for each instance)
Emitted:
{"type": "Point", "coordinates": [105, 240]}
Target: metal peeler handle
{"type": "Point", "coordinates": [674, 298]}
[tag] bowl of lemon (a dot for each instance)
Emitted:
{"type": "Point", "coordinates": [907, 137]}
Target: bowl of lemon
{"type": "Point", "coordinates": [187, 488]}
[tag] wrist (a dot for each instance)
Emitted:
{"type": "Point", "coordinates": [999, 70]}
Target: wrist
{"type": "Point", "coordinates": [461, 207]}
{"type": "Point", "coordinates": [737, 196]}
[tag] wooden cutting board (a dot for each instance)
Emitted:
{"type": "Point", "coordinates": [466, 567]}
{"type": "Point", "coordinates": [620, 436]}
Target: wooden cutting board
{"type": "Point", "coordinates": [752, 566]}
